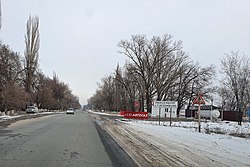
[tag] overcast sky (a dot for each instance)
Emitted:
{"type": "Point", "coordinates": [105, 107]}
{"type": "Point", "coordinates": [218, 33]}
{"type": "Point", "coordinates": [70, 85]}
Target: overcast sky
{"type": "Point", "coordinates": [79, 37]}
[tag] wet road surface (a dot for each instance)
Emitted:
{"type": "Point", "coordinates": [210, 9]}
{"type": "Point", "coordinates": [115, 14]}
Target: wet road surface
{"type": "Point", "coordinates": [54, 140]}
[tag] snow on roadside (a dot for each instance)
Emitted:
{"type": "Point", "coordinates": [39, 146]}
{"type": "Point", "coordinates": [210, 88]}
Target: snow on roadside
{"type": "Point", "coordinates": [105, 113]}
{"type": "Point", "coordinates": [7, 117]}
{"type": "Point", "coordinates": [222, 148]}
{"type": "Point", "coordinates": [223, 127]}
{"type": "Point", "coordinates": [214, 146]}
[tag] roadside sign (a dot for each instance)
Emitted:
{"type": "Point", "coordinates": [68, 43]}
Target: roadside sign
{"type": "Point", "coordinates": [165, 104]}
{"type": "Point", "coordinates": [198, 99]}
{"type": "Point", "coordinates": [135, 115]}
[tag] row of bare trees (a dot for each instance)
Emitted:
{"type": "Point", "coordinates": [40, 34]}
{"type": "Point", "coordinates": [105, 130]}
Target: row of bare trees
{"type": "Point", "coordinates": [158, 69]}
{"type": "Point", "coordinates": [21, 81]}
{"type": "Point", "coordinates": [235, 85]}
{"type": "Point", "coordinates": [53, 94]}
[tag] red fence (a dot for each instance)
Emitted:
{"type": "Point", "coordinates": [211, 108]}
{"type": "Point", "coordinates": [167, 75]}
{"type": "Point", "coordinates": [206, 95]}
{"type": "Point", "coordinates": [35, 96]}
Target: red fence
{"type": "Point", "coordinates": [230, 115]}
{"type": "Point", "coordinates": [134, 115]}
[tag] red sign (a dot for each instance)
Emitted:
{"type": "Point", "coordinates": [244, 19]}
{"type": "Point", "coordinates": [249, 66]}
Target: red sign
{"type": "Point", "coordinates": [135, 115]}
{"type": "Point", "coordinates": [198, 99]}
{"type": "Point", "coordinates": [137, 104]}
{"type": "Point", "coordinates": [122, 112]}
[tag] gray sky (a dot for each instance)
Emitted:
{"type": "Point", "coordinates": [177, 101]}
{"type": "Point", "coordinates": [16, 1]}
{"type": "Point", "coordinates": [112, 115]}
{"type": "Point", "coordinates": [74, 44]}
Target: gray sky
{"type": "Point", "coordinates": [79, 37]}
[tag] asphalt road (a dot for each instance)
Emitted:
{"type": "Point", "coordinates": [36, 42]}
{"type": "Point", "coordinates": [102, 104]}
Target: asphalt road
{"type": "Point", "coordinates": [56, 140]}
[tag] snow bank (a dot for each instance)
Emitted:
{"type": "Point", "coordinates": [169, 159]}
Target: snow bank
{"type": "Point", "coordinates": [7, 117]}
{"type": "Point", "coordinates": [233, 151]}
{"type": "Point", "coordinates": [223, 127]}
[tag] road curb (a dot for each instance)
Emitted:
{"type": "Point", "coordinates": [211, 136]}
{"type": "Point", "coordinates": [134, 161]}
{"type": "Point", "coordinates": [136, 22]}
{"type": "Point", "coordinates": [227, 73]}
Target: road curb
{"type": "Point", "coordinates": [116, 153]}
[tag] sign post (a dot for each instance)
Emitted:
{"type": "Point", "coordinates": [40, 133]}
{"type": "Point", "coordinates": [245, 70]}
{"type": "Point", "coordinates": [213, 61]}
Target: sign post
{"type": "Point", "coordinates": [199, 117]}
{"type": "Point", "coordinates": [170, 116]}
{"type": "Point", "coordinates": [160, 116]}
{"type": "Point", "coordinates": [199, 100]}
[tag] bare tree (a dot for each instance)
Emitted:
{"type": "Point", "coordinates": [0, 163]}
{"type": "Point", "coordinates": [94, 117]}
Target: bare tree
{"type": "Point", "coordinates": [157, 69]}
{"type": "Point", "coordinates": [118, 91]}
{"type": "Point", "coordinates": [105, 96]}
{"type": "Point", "coordinates": [22, 82]}
{"type": "Point", "coordinates": [61, 94]}
{"type": "Point", "coordinates": [165, 62]}
{"type": "Point", "coordinates": [32, 43]}
{"type": "Point", "coordinates": [155, 62]}
{"type": "Point", "coordinates": [236, 70]}
{"type": "Point", "coordinates": [128, 87]}
{"type": "Point", "coordinates": [137, 51]}
{"type": "Point", "coordinates": [11, 94]}
{"type": "Point", "coordinates": [194, 80]}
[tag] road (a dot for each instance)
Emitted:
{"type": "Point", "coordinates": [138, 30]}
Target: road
{"type": "Point", "coordinates": [59, 140]}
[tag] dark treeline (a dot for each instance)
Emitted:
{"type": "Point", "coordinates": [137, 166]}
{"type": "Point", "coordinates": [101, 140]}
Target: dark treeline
{"type": "Point", "coordinates": [159, 69]}
{"type": "Point", "coordinates": [46, 93]}
{"type": "Point", "coordinates": [22, 83]}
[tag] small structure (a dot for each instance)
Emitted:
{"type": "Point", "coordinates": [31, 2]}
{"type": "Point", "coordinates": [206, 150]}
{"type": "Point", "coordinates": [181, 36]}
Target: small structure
{"type": "Point", "coordinates": [207, 111]}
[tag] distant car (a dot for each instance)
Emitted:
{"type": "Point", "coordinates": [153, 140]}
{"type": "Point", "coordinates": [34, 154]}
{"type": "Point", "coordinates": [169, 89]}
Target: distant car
{"type": "Point", "coordinates": [70, 111]}
{"type": "Point", "coordinates": [32, 109]}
